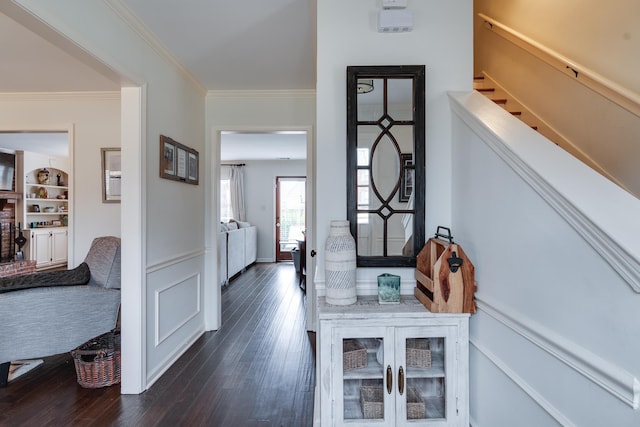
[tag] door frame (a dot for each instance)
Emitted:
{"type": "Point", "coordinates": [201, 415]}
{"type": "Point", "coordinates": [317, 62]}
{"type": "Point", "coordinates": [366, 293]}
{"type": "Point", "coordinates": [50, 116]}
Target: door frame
{"type": "Point", "coordinates": [214, 305]}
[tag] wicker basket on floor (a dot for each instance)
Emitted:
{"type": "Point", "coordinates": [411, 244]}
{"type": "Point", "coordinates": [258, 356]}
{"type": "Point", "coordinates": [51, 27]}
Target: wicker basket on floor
{"type": "Point", "coordinates": [98, 361]}
{"type": "Point", "coordinates": [354, 355]}
{"type": "Point", "coordinates": [418, 353]}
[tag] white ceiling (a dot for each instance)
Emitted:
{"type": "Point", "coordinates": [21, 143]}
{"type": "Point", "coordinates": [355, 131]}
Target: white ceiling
{"type": "Point", "coordinates": [241, 45]}
{"type": "Point", "coordinates": [55, 144]}
{"type": "Point", "coordinates": [237, 45]}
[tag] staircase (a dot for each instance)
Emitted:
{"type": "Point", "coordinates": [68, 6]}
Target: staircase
{"type": "Point", "coordinates": [494, 92]}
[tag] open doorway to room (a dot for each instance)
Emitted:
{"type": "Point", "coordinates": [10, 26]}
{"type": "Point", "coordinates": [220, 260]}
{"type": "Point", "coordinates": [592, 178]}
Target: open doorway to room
{"type": "Point", "coordinates": [36, 171]}
{"type": "Point", "coordinates": [253, 167]}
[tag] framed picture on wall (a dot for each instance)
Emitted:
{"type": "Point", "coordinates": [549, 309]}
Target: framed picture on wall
{"type": "Point", "coordinates": [111, 175]}
{"type": "Point", "coordinates": [181, 163]}
{"type": "Point", "coordinates": [168, 153]}
{"type": "Point", "coordinates": [193, 168]}
{"type": "Point", "coordinates": [178, 162]}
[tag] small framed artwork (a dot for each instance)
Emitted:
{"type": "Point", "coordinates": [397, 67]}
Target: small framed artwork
{"type": "Point", "coordinates": [181, 163]}
{"type": "Point", "coordinates": [193, 168]}
{"type": "Point", "coordinates": [168, 155]}
{"type": "Point", "coordinates": [406, 179]}
{"type": "Point", "coordinates": [111, 175]}
{"type": "Point", "coordinates": [178, 162]}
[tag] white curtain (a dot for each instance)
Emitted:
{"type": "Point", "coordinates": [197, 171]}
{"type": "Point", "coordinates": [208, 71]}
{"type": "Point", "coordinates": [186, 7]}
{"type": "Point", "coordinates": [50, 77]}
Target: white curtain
{"type": "Point", "coordinates": [236, 184]}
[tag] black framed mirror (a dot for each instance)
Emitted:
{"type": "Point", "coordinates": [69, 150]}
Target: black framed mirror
{"type": "Point", "coordinates": [386, 163]}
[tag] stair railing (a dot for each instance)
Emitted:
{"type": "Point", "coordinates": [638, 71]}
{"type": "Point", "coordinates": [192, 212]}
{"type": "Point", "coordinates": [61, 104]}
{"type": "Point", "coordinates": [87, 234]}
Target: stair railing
{"type": "Point", "coordinates": [618, 94]}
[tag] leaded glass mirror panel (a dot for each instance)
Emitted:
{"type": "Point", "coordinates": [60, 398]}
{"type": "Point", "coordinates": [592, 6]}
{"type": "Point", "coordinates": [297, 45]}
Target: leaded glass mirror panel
{"type": "Point", "coordinates": [385, 163]}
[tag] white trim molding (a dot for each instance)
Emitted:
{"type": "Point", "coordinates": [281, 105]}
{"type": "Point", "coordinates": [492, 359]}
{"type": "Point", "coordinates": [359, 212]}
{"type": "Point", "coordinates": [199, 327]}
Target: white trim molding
{"type": "Point", "coordinates": [522, 384]}
{"type": "Point", "coordinates": [612, 378]}
{"type": "Point", "coordinates": [59, 96]}
{"type": "Point", "coordinates": [597, 219]}
{"type": "Point", "coordinates": [261, 94]}
{"type": "Point", "coordinates": [180, 258]}
{"type": "Point", "coordinates": [168, 361]}
{"type": "Point", "coordinates": [125, 13]}
{"type": "Point", "coordinates": [158, 294]}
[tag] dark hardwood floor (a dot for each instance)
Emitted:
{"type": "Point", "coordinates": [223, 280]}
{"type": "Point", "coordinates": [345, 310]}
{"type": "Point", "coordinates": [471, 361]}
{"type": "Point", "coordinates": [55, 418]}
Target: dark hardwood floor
{"type": "Point", "coordinates": [257, 370]}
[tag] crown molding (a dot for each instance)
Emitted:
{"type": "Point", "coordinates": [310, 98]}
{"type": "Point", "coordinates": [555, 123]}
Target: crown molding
{"type": "Point", "coordinates": [55, 96]}
{"type": "Point", "coordinates": [125, 13]}
{"type": "Point", "coordinates": [262, 94]}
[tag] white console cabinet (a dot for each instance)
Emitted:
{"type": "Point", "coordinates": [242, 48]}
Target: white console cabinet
{"type": "Point", "coordinates": [392, 365]}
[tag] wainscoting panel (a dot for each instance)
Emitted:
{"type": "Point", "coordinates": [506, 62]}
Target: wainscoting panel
{"type": "Point", "coordinates": [175, 310]}
{"type": "Point", "coordinates": [610, 377]}
{"type": "Point", "coordinates": [179, 303]}
{"type": "Point", "coordinates": [490, 381]}
{"type": "Point", "coordinates": [545, 378]}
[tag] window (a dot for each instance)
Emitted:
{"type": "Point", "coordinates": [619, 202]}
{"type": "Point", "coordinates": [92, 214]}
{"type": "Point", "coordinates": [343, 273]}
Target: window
{"type": "Point", "coordinates": [225, 200]}
{"type": "Point", "coordinates": [363, 185]}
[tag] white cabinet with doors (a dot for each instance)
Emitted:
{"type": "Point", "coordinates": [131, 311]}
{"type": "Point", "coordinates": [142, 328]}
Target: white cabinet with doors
{"type": "Point", "coordinates": [48, 247]}
{"type": "Point", "coordinates": [392, 365]}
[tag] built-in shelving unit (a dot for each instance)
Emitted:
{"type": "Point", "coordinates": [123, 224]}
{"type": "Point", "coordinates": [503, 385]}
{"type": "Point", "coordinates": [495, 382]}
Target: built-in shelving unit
{"type": "Point", "coordinates": [46, 205]}
{"type": "Point", "coordinates": [44, 208]}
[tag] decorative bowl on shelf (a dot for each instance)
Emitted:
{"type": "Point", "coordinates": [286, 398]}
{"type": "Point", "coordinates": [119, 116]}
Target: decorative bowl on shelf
{"type": "Point", "coordinates": [49, 209]}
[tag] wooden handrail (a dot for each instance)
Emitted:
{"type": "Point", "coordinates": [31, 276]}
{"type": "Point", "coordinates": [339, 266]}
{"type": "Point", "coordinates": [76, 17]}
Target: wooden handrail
{"type": "Point", "coordinates": [618, 94]}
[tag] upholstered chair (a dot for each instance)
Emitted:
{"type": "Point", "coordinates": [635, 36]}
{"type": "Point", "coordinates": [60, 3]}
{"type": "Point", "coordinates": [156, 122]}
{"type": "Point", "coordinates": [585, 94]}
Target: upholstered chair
{"type": "Point", "coordinates": [47, 313]}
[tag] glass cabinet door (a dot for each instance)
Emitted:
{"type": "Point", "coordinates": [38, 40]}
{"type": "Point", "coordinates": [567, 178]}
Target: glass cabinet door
{"type": "Point", "coordinates": [364, 384]}
{"type": "Point", "coordinates": [425, 359]}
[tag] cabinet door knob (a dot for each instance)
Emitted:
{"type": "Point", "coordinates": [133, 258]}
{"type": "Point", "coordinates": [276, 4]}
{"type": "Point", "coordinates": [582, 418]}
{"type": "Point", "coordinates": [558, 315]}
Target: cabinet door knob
{"type": "Point", "coordinates": [400, 380]}
{"type": "Point", "coordinates": [389, 379]}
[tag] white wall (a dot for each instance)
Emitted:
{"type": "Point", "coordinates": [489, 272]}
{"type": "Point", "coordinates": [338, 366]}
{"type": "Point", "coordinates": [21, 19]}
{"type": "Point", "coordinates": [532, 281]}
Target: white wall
{"type": "Point", "coordinates": [171, 310]}
{"type": "Point", "coordinates": [347, 35]}
{"type": "Point", "coordinates": [554, 339]}
{"type": "Point", "coordinates": [94, 119]}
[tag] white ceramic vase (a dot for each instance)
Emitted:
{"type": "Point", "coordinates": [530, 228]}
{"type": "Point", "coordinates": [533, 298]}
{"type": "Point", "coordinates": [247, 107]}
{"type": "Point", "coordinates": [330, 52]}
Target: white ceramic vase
{"type": "Point", "coordinates": [340, 265]}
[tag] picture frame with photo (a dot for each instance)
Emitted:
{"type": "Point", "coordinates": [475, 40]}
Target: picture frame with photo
{"type": "Point", "coordinates": [167, 162]}
{"type": "Point", "coordinates": [193, 168]}
{"type": "Point", "coordinates": [178, 162]}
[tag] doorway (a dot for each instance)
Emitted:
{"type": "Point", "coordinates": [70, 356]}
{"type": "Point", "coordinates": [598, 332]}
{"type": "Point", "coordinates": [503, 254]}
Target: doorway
{"type": "Point", "coordinates": [38, 169]}
{"type": "Point", "coordinates": [266, 156]}
{"type": "Point", "coordinates": [290, 215]}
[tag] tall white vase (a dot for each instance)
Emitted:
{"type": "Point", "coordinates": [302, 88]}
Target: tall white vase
{"type": "Point", "coordinates": [340, 265]}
